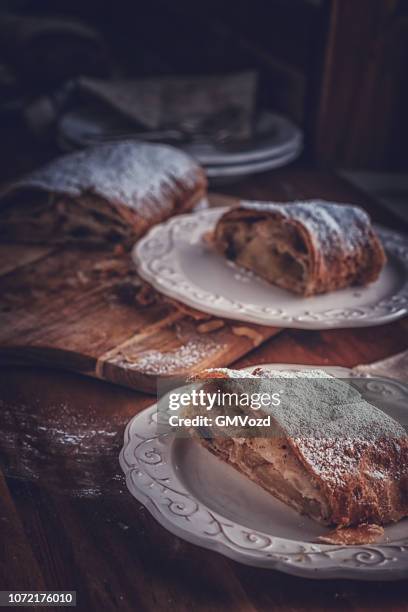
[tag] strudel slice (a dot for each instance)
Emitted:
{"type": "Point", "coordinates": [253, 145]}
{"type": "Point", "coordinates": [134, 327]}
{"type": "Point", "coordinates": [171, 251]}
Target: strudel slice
{"type": "Point", "coordinates": [329, 454]}
{"type": "Point", "coordinates": [305, 247]}
{"type": "Point", "coordinates": [111, 193]}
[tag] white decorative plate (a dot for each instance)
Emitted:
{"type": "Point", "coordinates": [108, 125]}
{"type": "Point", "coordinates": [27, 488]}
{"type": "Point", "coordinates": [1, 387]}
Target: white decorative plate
{"type": "Point", "coordinates": [199, 498]}
{"type": "Point", "coordinates": [175, 260]}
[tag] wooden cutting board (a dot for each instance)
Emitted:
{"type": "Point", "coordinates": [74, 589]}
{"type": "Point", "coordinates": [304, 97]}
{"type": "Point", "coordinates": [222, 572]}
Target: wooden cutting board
{"type": "Point", "coordinates": [88, 311]}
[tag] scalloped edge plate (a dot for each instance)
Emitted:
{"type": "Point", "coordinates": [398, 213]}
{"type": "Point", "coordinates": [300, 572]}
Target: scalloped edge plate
{"type": "Point", "coordinates": [156, 476]}
{"type": "Point", "coordinates": [175, 260]}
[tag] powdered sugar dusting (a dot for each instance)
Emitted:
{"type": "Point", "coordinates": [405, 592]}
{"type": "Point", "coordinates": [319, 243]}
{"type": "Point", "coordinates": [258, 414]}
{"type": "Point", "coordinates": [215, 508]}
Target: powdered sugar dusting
{"type": "Point", "coordinates": [226, 373]}
{"type": "Point", "coordinates": [137, 175]}
{"type": "Point", "coordinates": [344, 441]}
{"type": "Point", "coordinates": [176, 361]}
{"type": "Point", "coordinates": [330, 225]}
{"type": "Point", "coordinates": [318, 405]}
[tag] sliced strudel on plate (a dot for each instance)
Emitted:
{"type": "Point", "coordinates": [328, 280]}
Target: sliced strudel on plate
{"type": "Point", "coordinates": [329, 453]}
{"type": "Point", "coordinates": [305, 247]}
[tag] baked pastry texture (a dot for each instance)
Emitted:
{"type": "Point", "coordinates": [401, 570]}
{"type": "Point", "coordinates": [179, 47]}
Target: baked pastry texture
{"type": "Point", "coordinates": [114, 192]}
{"type": "Point", "coordinates": [340, 460]}
{"type": "Point", "coordinates": [306, 247]}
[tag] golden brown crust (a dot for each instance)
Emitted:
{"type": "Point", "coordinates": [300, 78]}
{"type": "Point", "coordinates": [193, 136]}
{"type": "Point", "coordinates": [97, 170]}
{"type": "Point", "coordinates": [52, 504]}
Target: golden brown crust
{"type": "Point", "coordinates": [334, 245]}
{"type": "Point", "coordinates": [369, 482]}
{"type": "Point", "coordinates": [127, 186]}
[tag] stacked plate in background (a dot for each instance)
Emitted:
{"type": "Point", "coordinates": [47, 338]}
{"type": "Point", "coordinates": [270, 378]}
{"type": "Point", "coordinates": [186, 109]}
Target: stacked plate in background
{"type": "Point", "coordinates": [276, 142]}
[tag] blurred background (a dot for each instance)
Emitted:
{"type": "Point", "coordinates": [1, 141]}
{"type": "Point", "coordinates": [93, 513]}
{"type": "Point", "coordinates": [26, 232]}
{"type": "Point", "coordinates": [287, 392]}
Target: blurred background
{"type": "Point", "coordinates": [319, 83]}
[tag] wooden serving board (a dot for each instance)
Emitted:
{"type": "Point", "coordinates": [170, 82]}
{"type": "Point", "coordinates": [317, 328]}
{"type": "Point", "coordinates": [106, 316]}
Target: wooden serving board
{"type": "Point", "coordinates": [88, 311]}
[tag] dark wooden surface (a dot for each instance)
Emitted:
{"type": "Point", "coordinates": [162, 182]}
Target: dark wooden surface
{"type": "Point", "coordinates": [67, 521]}
{"type": "Point", "coordinates": [89, 311]}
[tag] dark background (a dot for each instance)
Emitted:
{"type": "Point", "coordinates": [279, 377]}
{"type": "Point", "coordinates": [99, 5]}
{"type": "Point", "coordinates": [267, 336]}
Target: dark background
{"type": "Point", "coordinates": [337, 67]}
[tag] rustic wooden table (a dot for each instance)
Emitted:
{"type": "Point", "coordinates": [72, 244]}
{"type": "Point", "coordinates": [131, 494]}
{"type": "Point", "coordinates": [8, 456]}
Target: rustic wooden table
{"type": "Point", "coordinates": [66, 519]}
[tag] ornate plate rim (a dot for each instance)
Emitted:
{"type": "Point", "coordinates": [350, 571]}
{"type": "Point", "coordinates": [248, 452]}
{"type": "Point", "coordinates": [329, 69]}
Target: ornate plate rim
{"type": "Point", "coordinates": [154, 256]}
{"type": "Point", "coordinates": [318, 561]}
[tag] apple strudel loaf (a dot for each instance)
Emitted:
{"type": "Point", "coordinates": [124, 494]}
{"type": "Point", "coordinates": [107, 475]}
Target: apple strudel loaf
{"type": "Point", "coordinates": [341, 461]}
{"type": "Point", "coordinates": [114, 192]}
{"type": "Point", "coordinates": [306, 247]}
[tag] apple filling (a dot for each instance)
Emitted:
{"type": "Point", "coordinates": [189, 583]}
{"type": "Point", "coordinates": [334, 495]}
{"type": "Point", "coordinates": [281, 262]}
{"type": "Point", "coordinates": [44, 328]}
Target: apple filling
{"type": "Point", "coordinates": [277, 254]}
{"type": "Point", "coordinates": [271, 463]}
{"type": "Point", "coordinates": [59, 219]}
